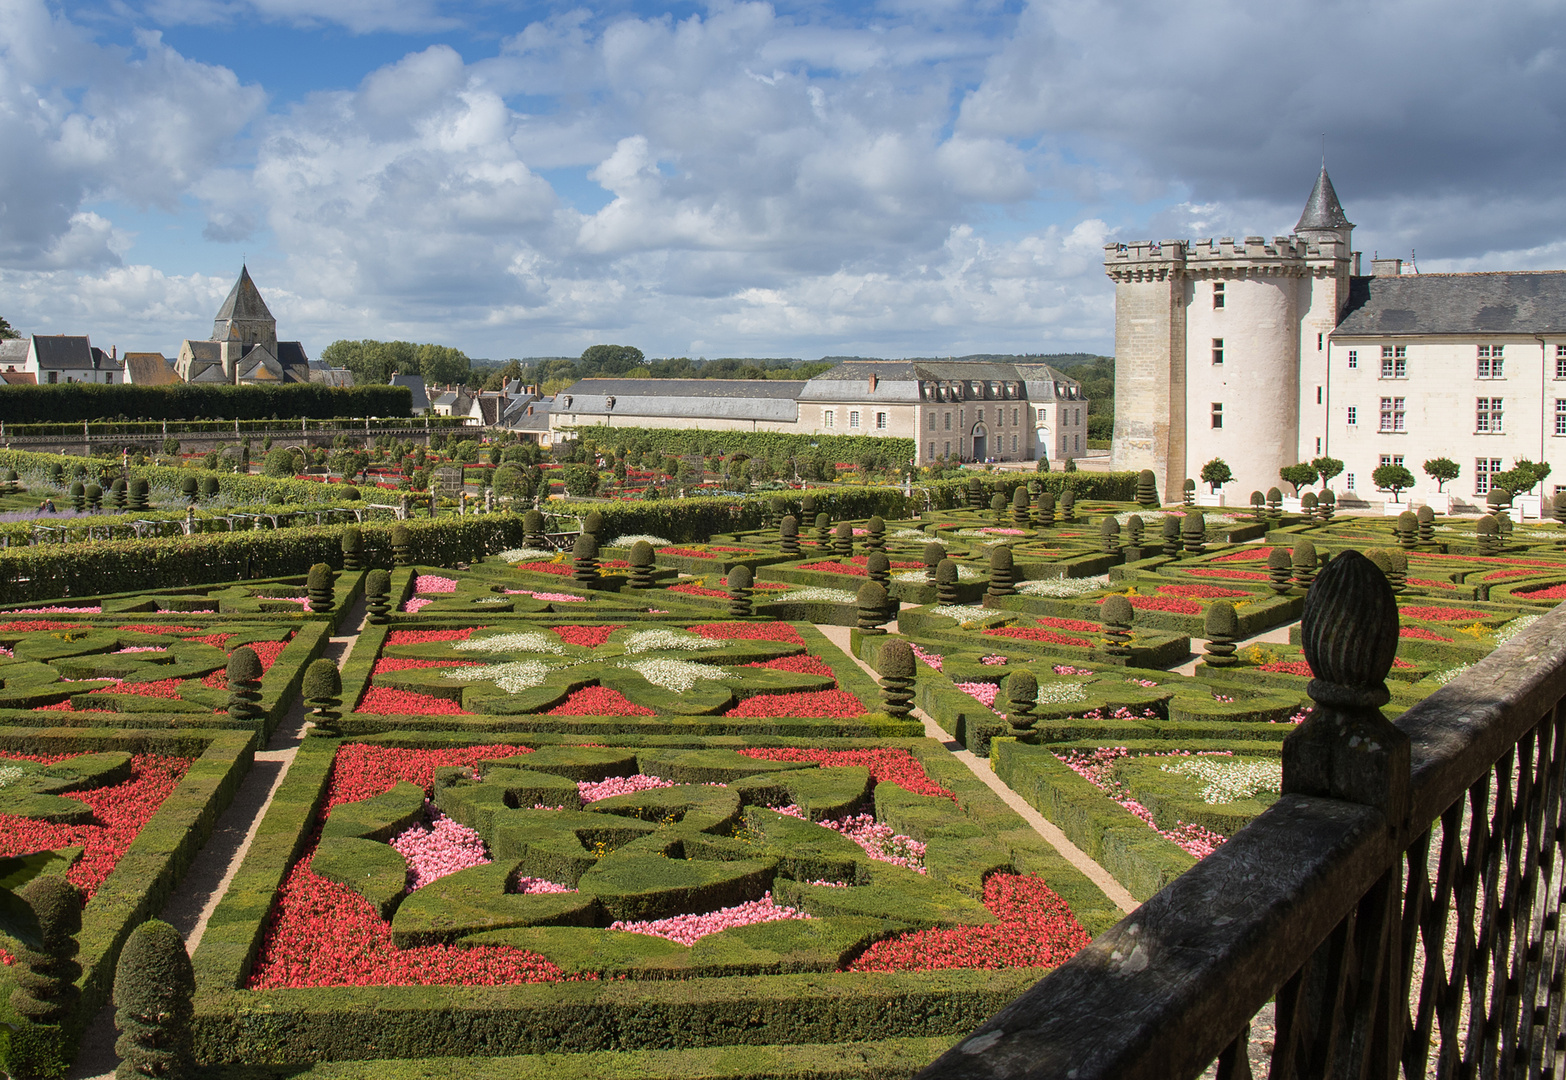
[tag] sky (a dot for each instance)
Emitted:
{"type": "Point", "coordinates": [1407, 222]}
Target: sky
{"type": "Point", "coordinates": [895, 178]}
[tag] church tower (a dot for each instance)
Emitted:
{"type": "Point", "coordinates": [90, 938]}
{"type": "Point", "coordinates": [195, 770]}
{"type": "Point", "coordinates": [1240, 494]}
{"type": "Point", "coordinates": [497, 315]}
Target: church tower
{"type": "Point", "coordinates": [244, 318]}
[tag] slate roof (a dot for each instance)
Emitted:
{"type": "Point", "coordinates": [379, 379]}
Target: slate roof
{"type": "Point", "coordinates": [898, 380]}
{"type": "Point", "coordinates": [63, 352]}
{"type": "Point", "coordinates": [13, 352]}
{"type": "Point", "coordinates": [149, 369]}
{"type": "Point", "coordinates": [1322, 209]}
{"type": "Point", "coordinates": [743, 399]}
{"type": "Point", "coordinates": [244, 300]}
{"type": "Point", "coordinates": [291, 354]}
{"type": "Point", "coordinates": [489, 410]}
{"type": "Point", "coordinates": [415, 383]}
{"type": "Point", "coordinates": [1528, 302]}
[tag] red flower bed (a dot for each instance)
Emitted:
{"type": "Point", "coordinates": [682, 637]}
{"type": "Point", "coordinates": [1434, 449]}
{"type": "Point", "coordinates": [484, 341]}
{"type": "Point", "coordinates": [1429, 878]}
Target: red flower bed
{"type": "Point", "coordinates": [1201, 592]}
{"type": "Point", "coordinates": [864, 560]}
{"type": "Point", "coordinates": [1554, 592]}
{"type": "Point", "coordinates": [1248, 555]}
{"type": "Point", "coordinates": [1028, 633]}
{"type": "Point", "coordinates": [27, 626]}
{"type": "Point", "coordinates": [562, 569]}
{"type": "Point", "coordinates": [1419, 633]}
{"type": "Point", "coordinates": [364, 770]}
{"type": "Point", "coordinates": [119, 812]}
{"type": "Point", "coordinates": [1079, 625]}
{"type": "Point", "coordinates": [1289, 667]}
{"type": "Point", "coordinates": [690, 588]}
{"type": "Point", "coordinates": [768, 631]}
{"type": "Point", "coordinates": [214, 640]}
{"type": "Point", "coordinates": [266, 651]}
{"type": "Point", "coordinates": [1164, 603]}
{"type": "Point", "coordinates": [806, 665]}
{"type": "Point", "coordinates": [1430, 584]}
{"type": "Point", "coordinates": [694, 553]}
{"type": "Point", "coordinates": [385, 701]}
{"type": "Point", "coordinates": [589, 637]}
{"type": "Point", "coordinates": [1442, 614]}
{"type": "Point", "coordinates": [160, 688]}
{"type": "Point", "coordinates": [599, 701]}
{"type": "Point", "coordinates": [832, 566]}
{"type": "Point", "coordinates": [148, 628]}
{"type": "Point", "coordinates": [887, 766]}
{"type": "Point", "coordinates": [1501, 575]}
{"type": "Point", "coordinates": [1232, 575]}
{"type": "Point", "coordinates": [1036, 929]}
{"type": "Point", "coordinates": [424, 637]}
{"type": "Point", "coordinates": [391, 663]}
{"type": "Point", "coordinates": [817, 703]}
{"type": "Point", "coordinates": [1399, 662]}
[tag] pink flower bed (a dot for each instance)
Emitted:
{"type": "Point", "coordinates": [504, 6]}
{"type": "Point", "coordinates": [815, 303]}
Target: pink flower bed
{"type": "Point", "coordinates": [57, 609]}
{"type": "Point", "coordinates": [417, 604]}
{"type": "Point", "coordinates": [887, 765]}
{"type": "Point", "coordinates": [598, 701]}
{"type": "Point", "coordinates": [1097, 768]}
{"type": "Point", "coordinates": [994, 660]}
{"type": "Point", "coordinates": [1067, 669]}
{"type": "Point", "coordinates": [150, 628]}
{"type": "Point", "coordinates": [1032, 633]}
{"type": "Point", "coordinates": [819, 703]}
{"type": "Point", "coordinates": [549, 597]}
{"type": "Point", "coordinates": [1419, 633]}
{"type": "Point", "coordinates": [592, 791]}
{"type": "Point", "coordinates": [928, 659]}
{"type": "Point", "coordinates": [688, 929]}
{"type": "Point", "coordinates": [982, 692]}
{"type": "Point", "coordinates": [442, 847]}
{"type": "Point", "coordinates": [1036, 929]}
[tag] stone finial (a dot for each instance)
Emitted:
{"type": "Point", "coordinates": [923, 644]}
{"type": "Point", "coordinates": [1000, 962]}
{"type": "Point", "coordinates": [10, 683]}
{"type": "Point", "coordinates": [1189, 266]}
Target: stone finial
{"type": "Point", "coordinates": [1304, 563]}
{"type": "Point", "coordinates": [843, 540]}
{"type": "Point", "coordinates": [895, 664]}
{"type": "Point", "coordinates": [1280, 568]}
{"type": "Point", "coordinates": [641, 565]}
{"type": "Point", "coordinates": [788, 535]}
{"type": "Point", "coordinates": [1222, 627]}
{"type": "Point", "coordinates": [946, 582]}
{"type": "Point", "coordinates": [872, 601]}
{"type": "Point", "coordinates": [739, 583]}
{"type": "Point", "coordinates": [1346, 749]}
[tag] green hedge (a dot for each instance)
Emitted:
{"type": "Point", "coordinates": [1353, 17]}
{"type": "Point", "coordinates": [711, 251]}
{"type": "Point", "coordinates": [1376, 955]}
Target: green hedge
{"type": "Point", "coordinates": [764, 444]}
{"type": "Point", "coordinates": [34, 470]}
{"type": "Point", "coordinates": [90, 401]}
{"type": "Point", "coordinates": [156, 860]}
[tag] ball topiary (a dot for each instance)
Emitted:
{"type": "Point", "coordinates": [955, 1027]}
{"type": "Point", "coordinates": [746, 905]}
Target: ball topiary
{"type": "Point", "coordinates": [402, 545]}
{"type": "Point", "coordinates": [377, 584]}
{"type": "Point", "coordinates": [872, 602]}
{"type": "Point", "coordinates": [1221, 625]}
{"type": "Point", "coordinates": [318, 585]}
{"type": "Point", "coordinates": [244, 684]}
{"type": "Point", "coordinates": [154, 991]}
{"type": "Point", "coordinates": [353, 548]}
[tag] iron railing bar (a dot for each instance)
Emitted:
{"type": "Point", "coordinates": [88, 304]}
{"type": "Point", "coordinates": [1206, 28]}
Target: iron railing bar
{"type": "Point", "coordinates": [1371, 1051]}
{"type": "Point", "coordinates": [1199, 958]}
{"type": "Point", "coordinates": [1416, 906]}
{"type": "Point", "coordinates": [1543, 1033]}
{"type": "Point", "coordinates": [1534, 889]}
{"type": "Point", "coordinates": [1332, 984]}
{"type": "Point", "coordinates": [1520, 879]}
{"type": "Point", "coordinates": [1438, 979]}
{"type": "Point", "coordinates": [1465, 945]}
{"type": "Point", "coordinates": [1495, 924]}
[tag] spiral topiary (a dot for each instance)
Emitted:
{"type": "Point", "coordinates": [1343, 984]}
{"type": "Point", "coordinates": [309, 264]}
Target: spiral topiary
{"type": "Point", "coordinates": [117, 493]}
{"type": "Point", "coordinates": [975, 494]}
{"type": "Point", "coordinates": [1280, 569]}
{"type": "Point", "coordinates": [244, 684]}
{"type": "Point", "coordinates": [533, 529]}
{"type": "Point", "coordinates": [946, 582]}
{"type": "Point", "coordinates": [1258, 505]}
{"type": "Point", "coordinates": [1274, 503]}
{"type": "Point", "coordinates": [402, 545]}
{"type": "Point", "coordinates": [875, 538]}
{"type": "Point", "coordinates": [823, 532]}
{"type": "Point", "coordinates": [154, 992]}
{"type": "Point", "coordinates": [78, 494]}
{"type": "Point", "coordinates": [94, 497]}
{"type": "Point", "coordinates": [1046, 509]}
{"type": "Point", "coordinates": [1308, 506]}
{"type": "Point", "coordinates": [318, 586]}
{"type": "Point", "coordinates": [1193, 532]}
{"type": "Point", "coordinates": [1327, 506]}
{"type": "Point", "coordinates": [1117, 616]}
{"type": "Point", "coordinates": [322, 690]}
{"type": "Point", "coordinates": [47, 970]}
{"type": "Point", "coordinates": [641, 565]}
{"type": "Point", "coordinates": [1022, 698]}
{"type": "Point", "coordinates": [139, 489]}
{"type": "Point", "coordinates": [1303, 563]}
{"type": "Point", "coordinates": [872, 602]}
{"type": "Point", "coordinates": [1407, 528]}
{"type": "Point", "coordinates": [933, 554]}
{"type": "Point", "coordinates": [807, 506]}
{"type": "Point", "coordinates": [1068, 505]}
{"type": "Point", "coordinates": [210, 486]}
{"type": "Point", "coordinates": [788, 535]}
{"type": "Point", "coordinates": [584, 561]}
{"type": "Point", "coordinates": [353, 549]}
{"type": "Point", "coordinates": [1169, 534]}
{"type": "Point", "coordinates": [1188, 492]}
{"type": "Point", "coordinates": [843, 540]}
{"type": "Point", "coordinates": [1222, 628]}
{"type": "Point", "coordinates": [1134, 527]}
{"type": "Point", "coordinates": [593, 523]}
{"type": "Point", "coordinates": [1424, 522]}
{"type": "Point", "coordinates": [879, 569]}
{"type": "Point", "coordinates": [377, 584]}
{"type": "Point", "coordinates": [1109, 536]}
{"type": "Point", "coordinates": [1147, 489]}
{"type": "Point", "coordinates": [1021, 509]}
{"type": "Point", "coordinates": [1002, 573]}
{"type": "Point", "coordinates": [1488, 534]}
{"type": "Point", "coordinates": [739, 583]}
{"type": "Point", "coordinates": [998, 507]}
{"type": "Point", "coordinates": [895, 664]}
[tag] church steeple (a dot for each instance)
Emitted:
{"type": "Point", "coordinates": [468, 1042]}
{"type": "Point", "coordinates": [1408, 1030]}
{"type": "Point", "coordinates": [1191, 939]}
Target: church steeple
{"type": "Point", "coordinates": [1322, 209]}
{"type": "Point", "coordinates": [244, 316]}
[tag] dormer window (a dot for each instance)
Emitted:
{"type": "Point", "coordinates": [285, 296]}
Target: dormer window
{"type": "Point", "coordinates": [567, 401]}
{"type": "Point", "coordinates": [609, 402]}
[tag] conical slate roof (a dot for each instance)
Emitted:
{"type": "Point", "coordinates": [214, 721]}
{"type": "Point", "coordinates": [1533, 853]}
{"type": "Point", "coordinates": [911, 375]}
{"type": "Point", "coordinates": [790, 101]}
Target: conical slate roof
{"type": "Point", "coordinates": [1322, 209]}
{"type": "Point", "coordinates": [244, 301]}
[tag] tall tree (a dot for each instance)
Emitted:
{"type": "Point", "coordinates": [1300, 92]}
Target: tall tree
{"type": "Point", "coordinates": [610, 359]}
{"type": "Point", "coordinates": [6, 331]}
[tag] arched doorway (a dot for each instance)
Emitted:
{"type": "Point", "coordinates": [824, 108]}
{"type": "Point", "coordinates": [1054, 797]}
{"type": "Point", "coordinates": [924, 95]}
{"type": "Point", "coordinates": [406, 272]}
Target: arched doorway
{"type": "Point", "coordinates": [981, 442]}
{"type": "Point", "coordinates": [1041, 442]}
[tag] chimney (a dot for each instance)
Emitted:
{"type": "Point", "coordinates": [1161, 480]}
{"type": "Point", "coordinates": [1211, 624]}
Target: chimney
{"type": "Point", "coordinates": [530, 410]}
{"type": "Point", "coordinates": [873, 380]}
{"type": "Point", "coordinates": [1386, 267]}
{"type": "Point", "coordinates": [114, 352]}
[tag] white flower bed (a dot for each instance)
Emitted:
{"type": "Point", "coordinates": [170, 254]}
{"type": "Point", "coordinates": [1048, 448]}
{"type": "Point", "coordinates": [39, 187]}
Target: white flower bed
{"type": "Point", "coordinates": [1061, 693]}
{"type": "Point", "coordinates": [820, 594]}
{"type": "Point", "coordinates": [1155, 517]}
{"type": "Point", "coordinates": [1228, 780]}
{"type": "Point", "coordinates": [964, 573]}
{"type": "Point", "coordinates": [676, 675]}
{"type": "Point", "coordinates": [523, 554]}
{"type": "Point", "coordinates": [512, 677]}
{"type": "Point", "coordinates": [627, 541]}
{"type": "Point", "coordinates": [1513, 628]}
{"type": "Point", "coordinates": [521, 641]}
{"type": "Point", "coordinates": [658, 640]}
{"type": "Point", "coordinates": [910, 534]}
{"type": "Point", "coordinates": [10, 774]}
{"type": "Point", "coordinates": [1061, 588]}
{"type": "Point", "coordinates": [1444, 677]}
{"type": "Point", "coordinates": [965, 612]}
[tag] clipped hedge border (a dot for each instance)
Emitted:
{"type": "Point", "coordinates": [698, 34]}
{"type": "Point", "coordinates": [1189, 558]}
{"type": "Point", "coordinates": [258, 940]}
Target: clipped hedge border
{"type": "Point", "coordinates": [156, 860]}
{"type": "Point", "coordinates": [357, 1023]}
{"type": "Point", "coordinates": [90, 401]}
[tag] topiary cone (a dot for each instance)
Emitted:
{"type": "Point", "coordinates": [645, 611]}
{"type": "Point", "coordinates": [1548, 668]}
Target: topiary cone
{"type": "Point", "coordinates": [244, 684]}
{"type": "Point", "coordinates": [843, 540]}
{"type": "Point", "coordinates": [1308, 506]}
{"type": "Point", "coordinates": [323, 597]}
{"type": "Point", "coordinates": [878, 568]}
{"type": "Point", "coordinates": [739, 584]}
{"type": "Point", "coordinates": [895, 664]}
{"type": "Point", "coordinates": [1117, 615]}
{"type": "Point", "coordinates": [788, 535]}
{"type": "Point", "coordinates": [872, 601]}
{"type": "Point", "coordinates": [946, 582]}
{"type": "Point", "coordinates": [1022, 699]}
{"type": "Point", "coordinates": [47, 970]}
{"type": "Point", "coordinates": [377, 584]}
{"type": "Point", "coordinates": [1169, 533]}
{"type": "Point", "coordinates": [641, 565]}
{"type": "Point", "coordinates": [353, 549]}
{"type": "Point", "coordinates": [1222, 627]}
{"type": "Point", "coordinates": [584, 561]}
{"type": "Point", "coordinates": [402, 545]}
{"type": "Point", "coordinates": [154, 992]}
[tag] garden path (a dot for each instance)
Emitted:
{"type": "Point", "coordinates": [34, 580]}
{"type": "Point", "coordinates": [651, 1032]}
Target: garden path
{"type": "Point", "coordinates": [980, 767]}
{"type": "Point", "coordinates": [204, 884]}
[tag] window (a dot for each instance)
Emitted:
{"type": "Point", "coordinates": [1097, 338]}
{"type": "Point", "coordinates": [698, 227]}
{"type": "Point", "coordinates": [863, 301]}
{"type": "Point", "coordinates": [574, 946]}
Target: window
{"type": "Point", "coordinates": [948, 422]}
{"type": "Point", "coordinates": [853, 418]}
{"type": "Point", "coordinates": [1079, 418]}
{"type": "Point", "coordinates": [828, 418]}
{"type": "Point", "coordinates": [1560, 416]}
{"type": "Point", "coordinates": [1353, 359]}
{"type": "Point", "coordinates": [1348, 482]}
{"type": "Point", "coordinates": [1391, 459]}
{"type": "Point", "coordinates": [1318, 342]}
{"type": "Point", "coordinates": [1014, 415]}
{"type": "Point", "coordinates": [1062, 446]}
{"type": "Point", "coordinates": [880, 421]}
{"type": "Point", "coordinates": [1353, 415]}
{"type": "Point", "coordinates": [1484, 468]}
{"type": "Point", "coordinates": [1217, 350]}
{"type": "Point", "coordinates": [932, 421]}
{"type": "Point", "coordinates": [1014, 444]}
{"type": "Point", "coordinates": [947, 451]}
{"type": "Point", "coordinates": [108, 378]}
{"type": "Point", "coordinates": [1491, 362]}
{"type": "Point", "coordinates": [1043, 417]}
{"type": "Point", "coordinates": [1487, 416]}
{"type": "Point", "coordinates": [1217, 414]}
{"type": "Point", "coordinates": [978, 415]}
{"type": "Point", "coordinates": [1392, 414]}
{"type": "Point", "coordinates": [1079, 444]}
{"type": "Point", "coordinates": [1394, 361]}
{"type": "Point", "coordinates": [929, 451]}
{"type": "Point", "coordinates": [54, 376]}
{"type": "Point", "coordinates": [1217, 295]}
{"type": "Point", "coordinates": [1318, 395]}
{"type": "Point", "coordinates": [1560, 361]}
{"type": "Point", "coordinates": [1318, 445]}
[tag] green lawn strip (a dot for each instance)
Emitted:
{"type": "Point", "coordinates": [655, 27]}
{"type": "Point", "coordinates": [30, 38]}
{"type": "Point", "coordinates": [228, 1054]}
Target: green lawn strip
{"type": "Point", "coordinates": [152, 866]}
{"type": "Point", "coordinates": [888, 1059]}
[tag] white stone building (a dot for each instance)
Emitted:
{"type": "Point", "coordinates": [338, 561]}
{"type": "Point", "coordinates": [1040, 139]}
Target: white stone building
{"type": "Point", "coordinates": [1269, 353]}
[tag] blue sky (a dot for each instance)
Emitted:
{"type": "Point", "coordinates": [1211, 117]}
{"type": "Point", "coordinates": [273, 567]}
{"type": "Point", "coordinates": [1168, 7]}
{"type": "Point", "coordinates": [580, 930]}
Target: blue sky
{"type": "Point", "coordinates": [915, 177]}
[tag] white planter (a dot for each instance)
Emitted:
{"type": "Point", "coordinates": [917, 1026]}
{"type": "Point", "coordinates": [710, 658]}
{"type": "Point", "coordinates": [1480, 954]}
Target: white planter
{"type": "Point", "coordinates": [1393, 509]}
{"type": "Point", "coordinates": [1208, 499]}
{"type": "Point", "coordinates": [1440, 503]}
{"type": "Point", "coordinates": [1291, 506]}
{"type": "Point", "coordinates": [1530, 505]}
{"type": "Point", "coordinates": [1515, 512]}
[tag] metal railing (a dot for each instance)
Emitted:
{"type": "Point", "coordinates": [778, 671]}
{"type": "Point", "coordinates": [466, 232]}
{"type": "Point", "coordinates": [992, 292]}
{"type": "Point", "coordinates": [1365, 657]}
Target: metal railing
{"type": "Point", "coordinates": [1399, 904]}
